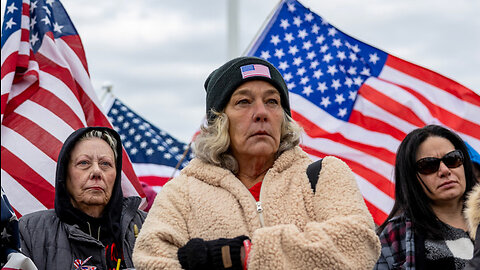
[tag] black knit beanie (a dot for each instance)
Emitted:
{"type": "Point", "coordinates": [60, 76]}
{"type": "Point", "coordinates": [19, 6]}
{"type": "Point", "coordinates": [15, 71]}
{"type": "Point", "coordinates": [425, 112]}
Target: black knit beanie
{"type": "Point", "coordinates": [223, 81]}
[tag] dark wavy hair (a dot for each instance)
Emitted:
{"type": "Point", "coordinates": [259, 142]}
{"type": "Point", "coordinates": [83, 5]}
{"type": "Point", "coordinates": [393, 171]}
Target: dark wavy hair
{"type": "Point", "coordinates": [410, 198]}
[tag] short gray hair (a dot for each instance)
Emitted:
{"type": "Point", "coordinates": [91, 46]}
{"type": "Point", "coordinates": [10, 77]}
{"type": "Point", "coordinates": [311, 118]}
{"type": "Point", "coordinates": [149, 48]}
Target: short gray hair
{"type": "Point", "coordinates": [212, 145]}
{"type": "Point", "coordinates": [104, 135]}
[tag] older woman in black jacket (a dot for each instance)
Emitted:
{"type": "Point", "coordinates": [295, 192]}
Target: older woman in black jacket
{"type": "Point", "coordinates": [92, 224]}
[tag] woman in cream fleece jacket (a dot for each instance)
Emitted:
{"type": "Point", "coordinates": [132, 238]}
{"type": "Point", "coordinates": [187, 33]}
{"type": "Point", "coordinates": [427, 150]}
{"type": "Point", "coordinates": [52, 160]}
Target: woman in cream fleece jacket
{"type": "Point", "coordinates": [202, 218]}
{"type": "Point", "coordinates": [472, 214]}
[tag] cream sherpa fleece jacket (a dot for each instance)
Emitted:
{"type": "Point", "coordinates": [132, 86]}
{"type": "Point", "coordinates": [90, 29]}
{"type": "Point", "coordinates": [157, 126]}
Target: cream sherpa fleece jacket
{"type": "Point", "coordinates": [472, 210]}
{"type": "Point", "coordinates": [331, 229]}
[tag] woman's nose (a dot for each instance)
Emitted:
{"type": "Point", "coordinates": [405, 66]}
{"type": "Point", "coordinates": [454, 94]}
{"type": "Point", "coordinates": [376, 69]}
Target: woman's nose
{"type": "Point", "coordinates": [260, 112]}
{"type": "Point", "coordinates": [443, 170]}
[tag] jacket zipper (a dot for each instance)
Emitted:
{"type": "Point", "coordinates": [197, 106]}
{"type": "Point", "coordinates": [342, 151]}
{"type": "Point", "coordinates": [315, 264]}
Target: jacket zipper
{"type": "Point", "coordinates": [259, 204]}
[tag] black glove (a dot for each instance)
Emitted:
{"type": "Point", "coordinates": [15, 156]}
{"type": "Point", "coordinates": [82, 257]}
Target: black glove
{"type": "Point", "coordinates": [198, 254]}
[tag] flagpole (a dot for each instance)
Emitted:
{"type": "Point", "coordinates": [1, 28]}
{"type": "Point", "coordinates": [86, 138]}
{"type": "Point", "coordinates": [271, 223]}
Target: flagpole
{"type": "Point", "coordinates": [181, 160]}
{"type": "Point", "coordinates": [232, 30]}
{"type": "Point", "coordinates": [264, 25]}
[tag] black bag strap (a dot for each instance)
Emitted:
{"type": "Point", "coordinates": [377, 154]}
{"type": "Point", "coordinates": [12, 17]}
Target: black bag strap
{"type": "Point", "coordinates": [313, 170]}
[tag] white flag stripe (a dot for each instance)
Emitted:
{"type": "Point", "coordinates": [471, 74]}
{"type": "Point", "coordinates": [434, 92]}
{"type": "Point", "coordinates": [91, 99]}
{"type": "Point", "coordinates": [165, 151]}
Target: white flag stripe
{"type": "Point", "coordinates": [150, 169]}
{"type": "Point", "coordinates": [79, 72]}
{"type": "Point", "coordinates": [45, 119]}
{"type": "Point", "coordinates": [10, 46]}
{"type": "Point", "coordinates": [474, 142]}
{"type": "Point", "coordinates": [6, 81]}
{"type": "Point", "coordinates": [61, 90]}
{"type": "Point", "coordinates": [23, 201]}
{"type": "Point", "coordinates": [19, 87]}
{"type": "Point", "coordinates": [435, 95]}
{"type": "Point", "coordinates": [375, 196]}
{"type": "Point", "coordinates": [332, 125]}
{"type": "Point", "coordinates": [129, 190]}
{"type": "Point", "coordinates": [403, 97]}
{"type": "Point", "coordinates": [370, 109]}
{"type": "Point", "coordinates": [30, 154]}
{"type": "Point", "coordinates": [342, 151]}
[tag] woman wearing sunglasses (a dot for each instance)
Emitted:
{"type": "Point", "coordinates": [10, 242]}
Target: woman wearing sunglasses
{"type": "Point", "coordinates": [426, 228]}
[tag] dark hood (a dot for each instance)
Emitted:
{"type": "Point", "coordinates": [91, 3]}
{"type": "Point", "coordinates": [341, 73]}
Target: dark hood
{"type": "Point", "coordinates": [64, 209]}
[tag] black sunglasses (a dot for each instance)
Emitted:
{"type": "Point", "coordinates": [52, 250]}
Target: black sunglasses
{"type": "Point", "coordinates": [430, 165]}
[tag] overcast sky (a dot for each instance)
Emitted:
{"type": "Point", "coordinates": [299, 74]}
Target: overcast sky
{"type": "Point", "coordinates": [157, 53]}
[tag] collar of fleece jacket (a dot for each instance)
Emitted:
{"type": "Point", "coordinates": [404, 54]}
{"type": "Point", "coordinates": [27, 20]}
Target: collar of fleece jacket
{"type": "Point", "coordinates": [472, 210]}
{"type": "Point", "coordinates": [64, 208]}
{"type": "Point", "coordinates": [213, 175]}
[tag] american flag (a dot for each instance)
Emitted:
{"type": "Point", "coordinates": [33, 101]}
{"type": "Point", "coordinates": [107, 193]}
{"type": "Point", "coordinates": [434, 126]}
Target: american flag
{"type": "Point", "coordinates": [46, 95]}
{"type": "Point", "coordinates": [156, 156]}
{"type": "Point", "coordinates": [357, 102]}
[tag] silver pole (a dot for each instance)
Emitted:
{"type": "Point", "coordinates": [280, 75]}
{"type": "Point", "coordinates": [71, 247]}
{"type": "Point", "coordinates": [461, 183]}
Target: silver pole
{"type": "Point", "coordinates": [232, 34]}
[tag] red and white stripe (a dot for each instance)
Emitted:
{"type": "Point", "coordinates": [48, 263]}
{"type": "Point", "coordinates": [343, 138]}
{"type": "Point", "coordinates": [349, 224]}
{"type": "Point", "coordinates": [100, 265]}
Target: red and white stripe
{"type": "Point", "coordinates": [40, 109]}
{"type": "Point", "coordinates": [403, 97]}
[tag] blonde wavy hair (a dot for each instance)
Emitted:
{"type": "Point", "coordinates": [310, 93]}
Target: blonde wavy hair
{"type": "Point", "coordinates": [212, 145]}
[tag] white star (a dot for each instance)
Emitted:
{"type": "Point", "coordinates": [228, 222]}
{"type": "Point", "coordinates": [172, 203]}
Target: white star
{"type": "Point", "coordinates": [342, 68]}
{"type": "Point", "coordinates": [33, 6]}
{"type": "Point", "coordinates": [315, 29]}
{"type": "Point", "coordinates": [342, 112]}
{"type": "Point", "coordinates": [174, 149]}
{"type": "Point", "coordinates": [160, 148]}
{"type": "Point", "coordinates": [279, 53]}
{"type": "Point", "coordinates": [131, 131]}
{"type": "Point", "coordinates": [324, 22]}
{"type": "Point", "coordinates": [318, 73]}
{"type": "Point", "coordinates": [33, 21]}
{"type": "Point", "coordinates": [265, 55]}
{"type": "Point", "coordinates": [114, 111]}
{"type": "Point", "coordinates": [149, 151]}
{"type": "Point", "coordinates": [355, 48]}
{"type": "Point", "coordinates": [304, 80]}
{"type": "Point", "coordinates": [137, 137]}
{"type": "Point", "coordinates": [307, 90]}
{"type": "Point", "coordinates": [311, 55]}
{"type": "Point", "coordinates": [309, 17]}
{"type": "Point", "coordinates": [127, 144]}
{"type": "Point", "coordinates": [374, 58]}
{"type": "Point", "coordinates": [332, 70]}
{"type": "Point", "coordinates": [352, 70]}
{"type": "Point", "coordinates": [46, 20]}
{"type": "Point", "coordinates": [314, 64]}
{"type": "Point", "coordinates": [322, 86]}
{"type": "Point", "coordinates": [302, 33]}
{"type": "Point", "coordinates": [336, 84]}
{"type": "Point", "coordinates": [352, 95]}
{"type": "Point", "coordinates": [307, 45]}
{"type": "Point", "coordinates": [10, 23]}
{"type": "Point", "coordinates": [283, 65]}
{"type": "Point", "coordinates": [126, 125]}
{"type": "Point", "coordinates": [348, 82]}
{"type": "Point", "coordinates": [301, 71]}
{"type": "Point", "coordinates": [358, 81]}
{"type": "Point", "coordinates": [284, 24]}
{"type": "Point", "coordinates": [289, 37]}
{"type": "Point", "coordinates": [123, 108]}
{"type": "Point", "coordinates": [339, 98]}
{"type": "Point", "coordinates": [292, 50]}
{"type": "Point", "coordinates": [130, 114]}
{"type": "Point", "coordinates": [169, 141]}
{"type": "Point", "coordinates": [167, 155]}
{"type": "Point", "coordinates": [287, 77]}
{"type": "Point", "coordinates": [57, 28]}
{"type": "Point", "coordinates": [325, 102]}
{"type": "Point", "coordinates": [353, 57]}
{"type": "Point", "coordinates": [275, 39]}
{"type": "Point", "coordinates": [332, 31]}
{"type": "Point", "coordinates": [291, 85]}
{"type": "Point", "coordinates": [365, 71]}
{"type": "Point", "coordinates": [291, 7]}
{"type": "Point", "coordinates": [297, 21]}
{"type": "Point", "coordinates": [324, 48]}
{"type": "Point", "coordinates": [47, 10]}
{"type": "Point", "coordinates": [49, 2]}
{"type": "Point", "coordinates": [327, 57]}
{"type": "Point", "coordinates": [341, 55]}
{"type": "Point", "coordinates": [154, 141]}
{"type": "Point", "coordinates": [120, 118]}
{"type": "Point", "coordinates": [297, 61]}
{"type": "Point", "coordinates": [337, 43]}
{"type": "Point", "coordinates": [11, 8]}
{"type": "Point", "coordinates": [5, 234]}
{"type": "Point", "coordinates": [133, 151]}
{"type": "Point", "coordinates": [320, 39]}
{"type": "Point", "coordinates": [143, 144]}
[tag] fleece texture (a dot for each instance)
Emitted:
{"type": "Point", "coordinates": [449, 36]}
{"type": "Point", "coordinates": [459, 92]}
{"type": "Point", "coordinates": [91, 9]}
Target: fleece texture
{"type": "Point", "coordinates": [328, 229]}
{"type": "Point", "coordinates": [472, 210]}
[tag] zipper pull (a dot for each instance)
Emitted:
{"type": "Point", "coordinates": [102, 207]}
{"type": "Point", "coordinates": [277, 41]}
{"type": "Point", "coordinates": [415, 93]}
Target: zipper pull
{"type": "Point", "coordinates": [259, 207]}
